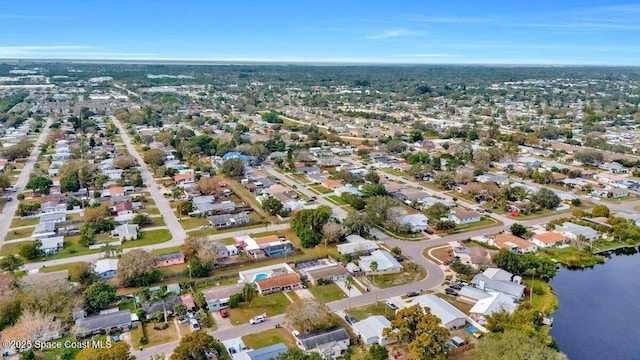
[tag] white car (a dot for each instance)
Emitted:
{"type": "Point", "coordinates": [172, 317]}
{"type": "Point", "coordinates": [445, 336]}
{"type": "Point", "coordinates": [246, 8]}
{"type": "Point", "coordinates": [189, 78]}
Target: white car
{"type": "Point", "coordinates": [257, 320]}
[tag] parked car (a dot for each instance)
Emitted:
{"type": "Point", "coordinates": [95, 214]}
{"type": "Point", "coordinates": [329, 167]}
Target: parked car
{"type": "Point", "coordinates": [294, 186]}
{"type": "Point", "coordinates": [391, 305]}
{"type": "Point", "coordinates": [450, 291]}
{"type": "Point", "coordinates": [412, 294]}
{"type": "Point", "coordinates": [257, 320]}
{"type": "Point", "coordinates": [194, 325]}
{"type": "Point", "coordinates": [314, 198]}
{"type": "Point", "coordinates": [350, 319]}
{"type": "Point", "coordinates": [224, 313]}
{"type": "Point", "coordinates": [183, 320]}
{"type": "Point", "coordinates": [456, 286]}
{"type": "Point", "coordinates": [9, 198]}
{"type": "Point", "coordinates": [489, 211]}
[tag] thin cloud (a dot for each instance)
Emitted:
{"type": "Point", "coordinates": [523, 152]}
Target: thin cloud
{"type": "Point", "coordinates": [434, 55]}
{"type": "Point", "coordinates": [450, 20]}
{"type": "Point", "coordinates": [389, 34]}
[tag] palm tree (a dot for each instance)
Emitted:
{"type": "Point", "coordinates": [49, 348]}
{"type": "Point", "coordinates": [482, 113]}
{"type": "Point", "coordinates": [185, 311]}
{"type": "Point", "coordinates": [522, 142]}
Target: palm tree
{"type": "Point", "coordinates": [349, 285]}
{"type": "Point", "coordinates": [374, 267]}
{"type": "Point", "coordinates": [109, 250]}
{"type": "Point", "coordinates": [249, 291]}
{"type": "Point", "coordinates": [162, 295]}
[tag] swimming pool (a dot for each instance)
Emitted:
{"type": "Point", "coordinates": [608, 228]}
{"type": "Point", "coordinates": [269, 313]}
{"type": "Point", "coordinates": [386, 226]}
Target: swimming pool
{"type": "Point", "coordinates": [260, 276]}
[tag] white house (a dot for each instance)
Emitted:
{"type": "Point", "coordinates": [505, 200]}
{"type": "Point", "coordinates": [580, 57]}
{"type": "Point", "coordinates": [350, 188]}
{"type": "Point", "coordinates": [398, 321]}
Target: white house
{"type": "Point", "coordinates": [356, 244]}
{"type": "Point", "coordinates": [387, 264]}
{"type": "Point", "coordinates": [106, 268]}
{"type": "Point", "coordinates": [51, 245]}
{"type": "Point", "coordinates": [370, 330]}
{"type": "Point", "coordinates": [573, 231]}
{"type": "Point", "coordinates": [495, 303]}
{"type": "Point", "coordinates": [449, 316]}
{"type": "Point", "coordinates": [416, 222]}
{"type": "Point", "coordinates": [125, 232]}
{"type": "Point", "coordinates": [462, 216]}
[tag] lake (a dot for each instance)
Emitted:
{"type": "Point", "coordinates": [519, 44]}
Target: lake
{"type": "Point", "coordinates": [599, 310]}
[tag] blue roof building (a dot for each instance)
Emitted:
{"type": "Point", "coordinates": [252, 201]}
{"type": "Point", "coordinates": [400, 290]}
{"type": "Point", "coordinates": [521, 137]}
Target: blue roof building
{"type": "Point", "coordinates": [268, 352]}
{"type": "Point", "coordinates": [235, 155]}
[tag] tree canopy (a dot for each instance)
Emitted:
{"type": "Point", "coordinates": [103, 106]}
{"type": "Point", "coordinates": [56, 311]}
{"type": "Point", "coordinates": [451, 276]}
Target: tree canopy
{"type": "Point", "coordinates": [199, 345]}
{"type": "Point", "coordinates": [420, 331]}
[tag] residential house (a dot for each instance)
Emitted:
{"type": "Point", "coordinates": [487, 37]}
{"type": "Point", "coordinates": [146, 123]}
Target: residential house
{"type": "Point", "coordinates": [44, 230]}
{"type": "Point", "coordinates": [218, 296]}
{"type": "Point", "coordinates": [224, 221]}
{"type": "Point", "coordinates": [114, 191]}
{"type": "Point", "coordinates": [125, 232]}
{"type": "Point", "coordinates": [614, 168]}
{"type": "Point", "coordinates": [266, 353]}
{"type": "Point", "coordinates": [51, 245]}
{"type": "Point", "coordinates": [548, 239]}
{"type": "Point", "coordinates": [514, 243]}
{"type": "Point", "coordinates": [335, 272]}
{"type": "Point", "coordinates": [331, 183]}
{"type": "Point", "coordinates": [461, 216]}
{"type": "Point", "coordinates": [357, 245]}
{"type": "Point", "coordinates": [169, 259]}
{"type": "Point", "coordinates": [150, 308]}
{"type": "Point", "coordinates": [572, 231]}
{"type": "Point", "coordinates": [279, 283]}
{"type": "Point", "coordinates": [271, 245]}
{"type": "Point", "coordinates": [106, 268]}
{"type": "Point", "coordinates": [184, 179]}
{"type": "Point", "coordinates": [617, 193]}
{"type": "Point", "coordinates": [415, 222]}
{"type": "Point", "coordinates": [120, 321]}
{"type": "Point", "coordinates": [123, 208]}
{"type": "Point", "coordinates": [487, 283]}
{"type": "Point", "coordinates": [332, 343]}
{"type": "Point", "coordinates": [387, 264]}
{"type": "Point", "coordinates": [235, 155]}
{"type": "Point", "coordinates": [450, 317]}
{"type": "Point", "coordinates": [339, 190]}
{"type": "Point", "coordinates": [494, 178]}
{"type": "Point", "coordinates": [370, 330]}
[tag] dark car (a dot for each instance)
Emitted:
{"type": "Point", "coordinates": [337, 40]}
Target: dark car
{"type": "Point", "coordinates": [428, 231]}
{"type": "Point", "coordinates": [456, 286]}
{"type": "Point", "coordinates": [412, 294]}
{"type": "Point", "coordinates": [488, 211]}
{"type": "Point", "coordinates": [450, 291]}
{"type": "Point", "coordinates": [350, 319]}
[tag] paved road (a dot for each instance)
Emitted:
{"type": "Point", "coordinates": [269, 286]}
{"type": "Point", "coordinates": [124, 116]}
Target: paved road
{"type": "Point", "coordinates": [10, 207]}
{"type": "Point", "coordinates": [177, 232]}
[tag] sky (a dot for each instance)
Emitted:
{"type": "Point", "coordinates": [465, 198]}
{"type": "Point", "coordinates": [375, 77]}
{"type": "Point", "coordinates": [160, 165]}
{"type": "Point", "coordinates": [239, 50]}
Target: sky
{"type": "Point", "coordinates": [402, 31]}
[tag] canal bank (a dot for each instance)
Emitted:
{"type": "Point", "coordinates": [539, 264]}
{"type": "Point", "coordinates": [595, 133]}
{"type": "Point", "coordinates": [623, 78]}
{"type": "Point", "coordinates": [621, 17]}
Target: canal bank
{"type": "Point", "coordinates": [598, 311]}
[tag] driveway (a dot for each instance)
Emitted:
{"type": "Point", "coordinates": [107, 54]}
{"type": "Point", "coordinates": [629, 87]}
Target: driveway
{"type": "Point", "coordinates": [354, 290]}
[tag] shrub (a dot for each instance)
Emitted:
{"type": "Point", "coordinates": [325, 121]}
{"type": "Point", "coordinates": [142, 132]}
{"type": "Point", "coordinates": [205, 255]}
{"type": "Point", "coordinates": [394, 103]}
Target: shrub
{"type": "Point", "coordinates": [144, 340]}
{"type": "Point", "coordinates": [161, 326]}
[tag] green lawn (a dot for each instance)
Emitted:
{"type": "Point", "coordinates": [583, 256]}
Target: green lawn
{"type": "Point", "coordinates": [543, 298]}
{"type": "Point", "coordinates": [157, 337]}
{"type": "Point", "coordinates": [17, 222]}
{"type": "Point", "coordinates": [336, 199]}
{"type": "Point", "coordinates": [167, 250]}
{"type": "Point", "coordinates": [320, 189]}
{"type": "Point", "coordinates": [273, 304]}
{"type": "Point", "coordinates": [74, 216]}
{"type": "Point", "coordinates": [152, 210]}
{"type": "Point", "coordinates": [54, 268]}
{"type": "Point", "coordinates": [484, 223]}
{"type": "Point", "coordinates": [268, 338]}
{"type": "Point", "coordinates": [406, 277]}
{"type": "Point", "coordinates": [192, 222]}
{"type": "Point", "coordinates": [149, 238]}
{"type": "Point", "coordinates": [61, 352]}
{"type": "Point", "coordinates": [293, 295]}
{"type": "Point", "coordinates": [363, 312]}
{"type": "Point", "coordinates": [571, 256]}
{"type": "Point", "coordinates": [327, 293]}
{"type": "Point", "coordinates": [14, 234]}
{"type": "Point", "coordinates": [156, 221]}
{"type": "Point", "coordinates": [12, 248]}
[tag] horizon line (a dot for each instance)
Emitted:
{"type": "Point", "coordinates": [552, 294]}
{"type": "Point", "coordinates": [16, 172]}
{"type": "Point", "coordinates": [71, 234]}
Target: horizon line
{"type": "Point", "coordinates": [299, 62]}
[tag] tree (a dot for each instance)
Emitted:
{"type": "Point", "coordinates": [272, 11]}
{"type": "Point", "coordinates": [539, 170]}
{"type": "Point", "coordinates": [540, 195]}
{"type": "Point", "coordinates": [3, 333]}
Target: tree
{"type": "Point", "coordinates": [98, 296]}
{"type": "Point", "coordinates": [180, 309]}
{"type": "Point", "coordinates": [437, 210]}
{"type": "Point", "coordinates": [377, 208]}
{"type": "Point", "coordinates": [297, 354]}
{"type": "Point", "coordinates": [162, 295]}
{"type": "Point", "coordinates": [118, 351]}
{"type": "Point", "coordinates": [83, 273]}
{"type": "Point", "coordinates": [184, 207]}
{"type": "Point", "coordinates": [332, 232]}
{"type": "Point", "coordinates": [373, 190]}
{"type": "Point", "coordinates": [546, 199]}
{"type": "Point", "coordinates": [31, 250]}
{"type": "Point", "coordinates": [309, 237]}
{"type": "Point", "coordinates": [200, 248]}
{"type": "Point", "coordinates": [357, 223]}
{"type": "Point", "coordinates": [307, 224]}
{"type": "Point", "coordinates": [135, 268]}
{"type": "Point", "coordinates": [249, 292]}
{"type": "Point", "coordinates": [518, 229]}
{"type": "Point", "coordinates": [198, 345]}
{"type": "Point", "coordinates": [600, 211]}
{"type": "Point", "coordinates": [445, 180]}
{"type": "Point", "coordinates": [11, 263]}
{"type": "Point", "coordinates": [377, 352]}
{"type": "Point", "coordinates": [233, 168]}
{"type": "Point", "coordinates": [589, 157]}
{"type": "Point", "coordinates": [33, 325]}
{"type": "Point", "coordinates": [272, 205]}
{"type": "Point", "coordinates": [372, 177]}
{"type": "Point", "coordinates": [39, 184]}
{"type": "Point", "coordinates": [154, 157]}
{"type": "Point", "coordinates": [309, 314]}
{"type": "Point", "coordinates": [208, 185]}
{"type": "Point", "coordinates": [444, 225]}
{"type": "Point", "coordinates": [124, 162]}
{"type": "Point", "coordinates": [5, 181]}
{"type": "Point", "coordinates": [500, 346]}
{"type": "Point", "coordinates": [421, 331]}
{"type": "Point", "coordinates": [141, 220]}
{"type": "Point", "coordinates": [396, 146]}
{"type": "Point", "coordinates": [9, 312]}
{"type": "Point", "coordinates": [18, 151]}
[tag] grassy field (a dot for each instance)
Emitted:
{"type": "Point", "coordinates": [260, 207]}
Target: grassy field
{"type": "Point", "coordinates": [166, 250]}
{"type": "Point", "coordinates": [156, 221]}
{"type": "Point", "coordinates": [152, 210]}
{"type": "Point", "coordinates": [269, 337]}
{"type": "Point", "coordinates": [460, 305]}
{"type": "Point", "coordinates": [17, 222]}
{"type": "Point", "coordinates": [273, 304]}
{"type": "Point", "coordinates": [320, 189]}
{"type": "Point", "coordinates": [14, 234]}
{"type": "Point", "coordinates": [406, 277]}
{"type": "Point", "coordinates": [12, 248]}
{"type": "Point", "coordinates": [149, 238]}
{"type": "Point", "coordinates": [54, 268]}
{"type": "Point", "coordinates": [485, 222]}
{"type": "Point", "coordinates": [363, 312]}
{"type": "Point", "coordinates": [336, 199]}
{"type": "Point", "coordinates": [327, 293]}
{"type": "Point", "coordinates": [543, 297]}
{"type": "Point", "coordinates": [192, 222]}
{"type": "Point", "coordinates": [571, 256]}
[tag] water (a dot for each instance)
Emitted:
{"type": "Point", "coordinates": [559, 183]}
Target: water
{"type": "Point", "coordinates": [260, 276]}
{"type": "Point", "coordinates": [599, 312]}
